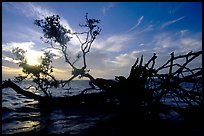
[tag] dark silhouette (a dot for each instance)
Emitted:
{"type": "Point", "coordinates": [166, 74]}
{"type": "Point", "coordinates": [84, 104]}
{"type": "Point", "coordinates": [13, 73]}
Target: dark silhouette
{"type": "Point", "coordinates": [146, 85]}
{"type": "Point", "coordinates": [140, 96]}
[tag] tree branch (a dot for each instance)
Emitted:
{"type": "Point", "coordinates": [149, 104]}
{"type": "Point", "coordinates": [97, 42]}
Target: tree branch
{"type": "Point", "coordinates": [19, 90]}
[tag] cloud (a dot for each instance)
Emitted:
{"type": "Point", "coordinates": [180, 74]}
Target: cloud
{"type": "Point", "coordinates": [114, 43]}
{"type": "Point", "coordinates": [23, 45]}
{"type": "Point", "coordinates": [27, 46]}
{"type": "Point", "coordinates": [171, 42]}
{"type": "Point", "coordinates": [127, 59]}
{"type": "Point", "coordinates": [121, 64]}
{"type": "Point", "coordinates": [107, 8]}
{"type": "Point", "coordinates": [10, 59]}
{"type": "Point", "coordinates": [31, 9]}
{"type": "Point", "coordinates": [147, 28]}
{"type": "Point", "coordinates": [97, 59]}
{"type": "Point", "coordinates": [175, 8]}
{"type": "Point", "coordinates": [10, 69]}
{"type": "Point", "coordinates": [116, 61]}
{"type": "Point", "coordinates": [184, 32]}
{"type": "Point", "coordinates": [24, 33]}
{"type": "Point", "coordinates": [163, 40]}
{"type": "Point", "coordinates": [104, 65]}
{"type": "Point", "coordinates": [141, 44]}
{"type": "Point", "coordinates": [171, 22]}
{"type": "Point", "coordinates": [9, 72]}
{"type": "Point", "coordinates": [190, 44]}
{"type": "Point", "coordinates": [61, 73]}
{"type": "Point", "coordinates": [137, 24]}
{"type": "Point", "coordinates": [57, 53]}
{"type": "Point", "coordinates": [115, 54]}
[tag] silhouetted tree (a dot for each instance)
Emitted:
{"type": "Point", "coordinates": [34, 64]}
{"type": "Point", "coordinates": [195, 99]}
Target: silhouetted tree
{"type": "Point", "coordinates": [58, 37]}
{"type": "Point", "coordinates": [40, 74]}
{"type": "Point", "coordinates": [146, 86]}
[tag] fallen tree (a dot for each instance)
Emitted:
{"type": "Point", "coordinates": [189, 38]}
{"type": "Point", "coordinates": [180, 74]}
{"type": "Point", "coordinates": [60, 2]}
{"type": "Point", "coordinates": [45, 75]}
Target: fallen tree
{"type": "Point", "coordinates": [143, 86]}
{"type": "Point", "coordinates": [146, 86]}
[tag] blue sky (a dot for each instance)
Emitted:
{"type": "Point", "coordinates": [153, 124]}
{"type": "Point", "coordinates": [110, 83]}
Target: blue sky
{"type": "Point", "coordinates": [129, 30]}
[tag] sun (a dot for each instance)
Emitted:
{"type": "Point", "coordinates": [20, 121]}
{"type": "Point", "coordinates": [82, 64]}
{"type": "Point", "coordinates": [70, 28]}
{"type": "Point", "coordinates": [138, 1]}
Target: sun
{"type": "Point", "coordinates": [33, 58]}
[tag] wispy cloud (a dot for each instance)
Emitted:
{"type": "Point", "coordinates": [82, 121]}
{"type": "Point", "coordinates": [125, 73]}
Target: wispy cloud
{"type": "Point", "coordinates": [163, 40]}
{"type": "Point", "coordinates": [23, 45]}
{"type": "Point", "coordinates": [190, 44]}
{"type": "Point", "coordinates": [109, 56]}
{"type": "Point", "coordinates": [168, 42]}
{"type": "Point", "coordinates": [41, 12]}
{"type": "Point", "coordinates": [175, 8]}
{"type": "Point", "coordinates": [114, 43]}
{"type": "Point", "coordinates": [171, 22]}
{"type": "Point", "coordinates": [119, 64]}
{"type": "Point", "coordinates": [137, 24]}
{"type": "Point", "coordinates": [36, 10]}
{"type": "Point", "coordinates": [147, 28]}
{"type": "Point", "coordinates": [162, 44]}
{"type": "Point", "coordinates": [33, 10]}
{"type": "Point", "coordinates": [184, 32]}
{"type": "Point", "coordinates": [9, 59]}
{"type": "Point", "coordinates": [122, 63]}
{"type": "Point", "coordinates": [22, 33]}
{"type": "Point", "coordinates": [107, 8]}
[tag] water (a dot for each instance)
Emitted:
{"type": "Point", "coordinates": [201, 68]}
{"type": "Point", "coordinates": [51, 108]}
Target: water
{"type": "Point", "coordinates": [21, 114]}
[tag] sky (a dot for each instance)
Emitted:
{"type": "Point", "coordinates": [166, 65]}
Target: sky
{"type": "Point", "coordinates": [129, 30]}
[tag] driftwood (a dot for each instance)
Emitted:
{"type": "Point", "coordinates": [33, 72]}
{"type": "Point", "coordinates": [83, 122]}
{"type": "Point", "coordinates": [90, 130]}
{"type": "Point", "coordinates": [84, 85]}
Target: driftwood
{"type": "Point", "coordinates": [85, 99]}
{"type": "Point", "coordinates": [145, 86]}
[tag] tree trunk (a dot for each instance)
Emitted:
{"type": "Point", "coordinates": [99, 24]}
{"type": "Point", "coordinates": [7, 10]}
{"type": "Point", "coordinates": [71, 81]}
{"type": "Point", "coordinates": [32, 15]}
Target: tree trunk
{"type": "Point", "coordinates": [85, 99]}
{"type": "Point", "coordinates": [19, 90]}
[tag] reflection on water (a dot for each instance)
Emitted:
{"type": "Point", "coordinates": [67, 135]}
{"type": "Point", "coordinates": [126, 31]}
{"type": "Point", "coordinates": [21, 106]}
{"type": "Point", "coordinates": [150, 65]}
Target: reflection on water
{"type": "Point", "coordinates": [20, 115]}
{"type": "Point", "coordinates": [20, 126]}
{"type": "Point", "coordinates": [24, 115]}
{"type": "Point", "coordinates": [58, 121]}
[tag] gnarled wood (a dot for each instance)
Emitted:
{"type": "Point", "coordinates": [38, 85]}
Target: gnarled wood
{"type": "Point", "coordinates": [9, 83]}
{"type": "Point", "coordinates": [88, 99]}
{"type": "Point", "coordinates": [143, 85]}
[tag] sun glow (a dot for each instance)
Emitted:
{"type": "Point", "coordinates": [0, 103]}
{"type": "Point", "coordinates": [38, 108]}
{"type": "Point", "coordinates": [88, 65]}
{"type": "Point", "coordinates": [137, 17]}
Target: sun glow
{"type": "Point", "coordinates": [33, 57]}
